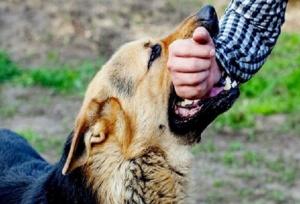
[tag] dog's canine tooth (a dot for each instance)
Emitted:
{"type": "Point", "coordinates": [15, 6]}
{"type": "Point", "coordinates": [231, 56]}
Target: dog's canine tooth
{"type": "Point", "coordinates": [234, 84]}
{"type": "Point", "coordinates": [228, 80]}
{"type": "Point", "coordinates": [179, 103]}
{"type": "Point", "coordinates": [227, 87]}
{"type": "Point", "coordinates": [187, 102]}
{"type": "Point", "coordinates": [227, 84]}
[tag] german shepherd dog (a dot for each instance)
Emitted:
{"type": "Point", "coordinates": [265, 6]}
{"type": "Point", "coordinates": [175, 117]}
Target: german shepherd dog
{"type": "Point", "coordinates": [130, 142]}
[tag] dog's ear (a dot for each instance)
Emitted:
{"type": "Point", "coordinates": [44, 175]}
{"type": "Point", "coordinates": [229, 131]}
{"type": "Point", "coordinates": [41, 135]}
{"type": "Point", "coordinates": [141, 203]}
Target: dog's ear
{"type": "Point", "coordinates": [94, 125]}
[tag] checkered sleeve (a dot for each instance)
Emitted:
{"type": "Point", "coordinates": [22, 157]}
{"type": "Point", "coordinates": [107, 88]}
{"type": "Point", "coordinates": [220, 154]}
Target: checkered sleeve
{"type": "Point", "coordinates": [248, 31]}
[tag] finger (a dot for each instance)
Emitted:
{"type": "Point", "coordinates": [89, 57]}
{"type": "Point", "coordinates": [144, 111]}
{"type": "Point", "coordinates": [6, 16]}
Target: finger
{"type": "Point", "coordinates": [191, 92]}
{"type": "Point", "coordinates": [190, 48]}
{"type": "Point", "coordinates": [188, 65]}
{"type": "Point", "coordinates": [202, 36]}
{"type": "Point", "coordinates": [189, 79]}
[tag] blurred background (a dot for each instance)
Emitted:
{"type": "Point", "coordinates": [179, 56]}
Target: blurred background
{"type": "Point", "coordinates": [49, 50]}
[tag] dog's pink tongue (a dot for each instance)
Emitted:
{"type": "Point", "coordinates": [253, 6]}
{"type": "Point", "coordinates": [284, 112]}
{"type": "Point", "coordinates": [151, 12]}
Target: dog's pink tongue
{"type": "Point", "coordinates": [214, 91]}
{"type": "Point", "coordinates": [185, 112]}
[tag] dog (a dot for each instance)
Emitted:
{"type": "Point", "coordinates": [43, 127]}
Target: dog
{"type": "Point", "coordinates": [130, 143]}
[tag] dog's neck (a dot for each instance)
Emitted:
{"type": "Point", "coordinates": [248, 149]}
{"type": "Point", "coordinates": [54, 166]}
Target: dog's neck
{"type": "Point", "coordinates": [147, 178]}
{"type": "Point", "coordinates": [110, 178]}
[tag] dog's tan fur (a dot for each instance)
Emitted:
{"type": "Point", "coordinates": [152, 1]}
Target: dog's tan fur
{"type": "Point", "coordinates": [129, 154]}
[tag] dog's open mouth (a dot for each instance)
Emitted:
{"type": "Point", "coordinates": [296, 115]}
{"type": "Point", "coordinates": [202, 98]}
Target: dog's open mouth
{"type": "Point", "coordinates": [188, 118]}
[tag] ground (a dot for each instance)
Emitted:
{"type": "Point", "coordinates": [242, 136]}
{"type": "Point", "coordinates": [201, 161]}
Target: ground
{"type": "Point", "coordinates": [253, 164]}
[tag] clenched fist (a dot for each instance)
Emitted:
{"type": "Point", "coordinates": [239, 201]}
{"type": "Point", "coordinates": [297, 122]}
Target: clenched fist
{"type": "Point", "coordinates": [192, 64]}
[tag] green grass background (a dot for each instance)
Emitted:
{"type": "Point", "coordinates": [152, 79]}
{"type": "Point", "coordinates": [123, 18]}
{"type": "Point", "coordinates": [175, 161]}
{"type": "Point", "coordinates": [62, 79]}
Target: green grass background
{"type": "Point", "coordinates": [275, 89]}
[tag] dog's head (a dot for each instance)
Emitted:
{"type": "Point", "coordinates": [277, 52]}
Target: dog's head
{"type": "Point", "coordinates": [131, 102]}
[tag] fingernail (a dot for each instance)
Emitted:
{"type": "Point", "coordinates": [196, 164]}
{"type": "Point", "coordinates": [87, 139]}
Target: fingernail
{"type": "Point", "coordinates": [212, 52]}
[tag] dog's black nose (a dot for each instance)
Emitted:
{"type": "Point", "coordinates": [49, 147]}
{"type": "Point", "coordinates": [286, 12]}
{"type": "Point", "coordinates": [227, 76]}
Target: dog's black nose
{"type": "Point", "coordinates": [207, 17]}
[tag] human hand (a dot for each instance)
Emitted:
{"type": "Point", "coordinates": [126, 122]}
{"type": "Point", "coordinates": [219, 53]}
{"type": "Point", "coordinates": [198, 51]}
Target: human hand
{"type": "Point", "coordinates": [192, 64]}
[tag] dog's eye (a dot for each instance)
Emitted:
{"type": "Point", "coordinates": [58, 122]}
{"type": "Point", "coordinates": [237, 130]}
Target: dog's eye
{"type": "Point", "coordinates": [155, 53]}
{"type": "Point", "coordinates": [147, 44]}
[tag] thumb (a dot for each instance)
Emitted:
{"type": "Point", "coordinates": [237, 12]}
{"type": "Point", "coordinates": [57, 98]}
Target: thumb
{"type": "Point", "coordinates": [202, 36]}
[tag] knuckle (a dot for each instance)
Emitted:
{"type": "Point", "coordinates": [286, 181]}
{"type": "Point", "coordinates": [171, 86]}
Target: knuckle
{"type": "Point", "coordinates": [176, 44]}
{"type": "Point", "coordinates": [208, 63]}
{"type": "Point", "coordinates": [174, 78]}
{"type": "Point", "coordinates": [205, 64]}
{"type": "Point", "coordinates": [184, 50]}
{"type": "Point", "coordinates": [196, 78]}
{"type": "Point", "coordinates": [206, 74]}
{"type": "Point", "coordinates": [194, 63]}
{"type": "Point", "coordinates": [205, 50]}
{"type": "Point", "coordinates": [201, 88]}
{"type": "Point", "coordinates": [208, 51]}
{"type": "Point", "coordinates": [185, 47]}
{"type": "Point", "coordinates": [170, 64]}
{"type": "Point", "coordinates": [211, 45]}
{"type": "Point", "coordinates": [179, 91]}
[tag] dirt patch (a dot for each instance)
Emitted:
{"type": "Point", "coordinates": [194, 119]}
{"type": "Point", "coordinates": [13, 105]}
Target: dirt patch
{"type": "Point", "coordinates": [292, 22]}
{"type": "Point", "coordinates": [234, 169]}
{"type": "Point", "coordinates": [35, 32]}
{"type": "Point", "coordinates": [48, 115]}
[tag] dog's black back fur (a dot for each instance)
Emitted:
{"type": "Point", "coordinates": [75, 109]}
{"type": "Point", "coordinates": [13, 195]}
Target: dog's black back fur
{"type": "Point", "coordinates": [25, 177]}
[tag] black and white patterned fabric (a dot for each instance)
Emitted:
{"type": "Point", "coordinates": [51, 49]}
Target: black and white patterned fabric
{"type": "Point", "coordinates": [248, 32]}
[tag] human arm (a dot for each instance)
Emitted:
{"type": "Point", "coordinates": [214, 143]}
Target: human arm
{"type": "Point", "coordinates": [249, 31]}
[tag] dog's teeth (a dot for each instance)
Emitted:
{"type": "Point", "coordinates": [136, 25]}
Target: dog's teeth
{"type": "Point", "coordinates": [234, 84]}
{"type": "Point", "coordinates": [187, 102]}
{"type": "Point", "coordinates": [227, 87]}
{"type": "Point", "coordinates": [179, 103]}
{"type": "Point", "coordinates": [227, 84]}
{"type": "Point", "coordinates": [177, 111]}
{"type": "Point", "coordinates": [228, 80]}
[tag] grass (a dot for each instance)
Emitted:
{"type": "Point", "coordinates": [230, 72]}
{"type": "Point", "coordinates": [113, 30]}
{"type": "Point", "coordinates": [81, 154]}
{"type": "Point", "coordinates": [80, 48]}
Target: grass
{"type": "Point", "coordinates": [248, 175]}
{"type": "Point", "coordinates": [244, 168]}
{"type": "Point", "coordinates": [42, 145]}
{"type": "Point", "coordinates": [8, 69]}
{"type": "Point", "coordinates": [206, 147]}
{"type": "Point", "coordinates": [63, 78]}
{"type": "Point", "coordinates": [279, 169]}
{"type": "Point", "coordinates": [8, 110]}
{"type": "Point", "coordinates": [275, 89]}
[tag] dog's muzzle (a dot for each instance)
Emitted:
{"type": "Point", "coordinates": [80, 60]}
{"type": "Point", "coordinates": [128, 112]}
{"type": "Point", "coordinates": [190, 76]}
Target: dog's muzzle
{"type": "Point", "coordinates": [189, 118]}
